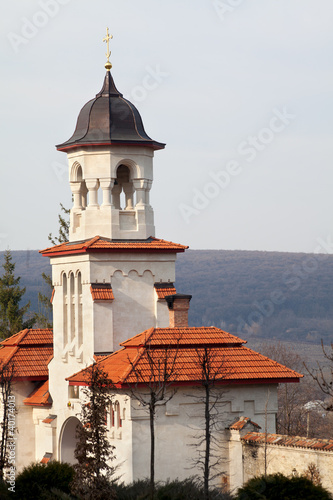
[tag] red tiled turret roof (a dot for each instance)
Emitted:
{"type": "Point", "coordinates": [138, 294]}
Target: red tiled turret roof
{"type": "Point", "coordinates": [100, 244]}
{"type": "Point", "coordinates": [231, 362]}
{"type": "Point", "coordinates": [30, 352]}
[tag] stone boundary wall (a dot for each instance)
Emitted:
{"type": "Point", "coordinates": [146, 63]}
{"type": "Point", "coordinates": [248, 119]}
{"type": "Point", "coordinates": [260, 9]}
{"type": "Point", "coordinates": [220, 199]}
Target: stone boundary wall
{"type": "Point", "coordinates": [288, 460]}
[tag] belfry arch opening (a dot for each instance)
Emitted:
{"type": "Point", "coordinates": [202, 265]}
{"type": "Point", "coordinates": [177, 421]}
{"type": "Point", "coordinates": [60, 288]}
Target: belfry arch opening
{"type": "Point", "coordinates": [68, 440]}
{"type": "Point", "coordinates": [123, 191]}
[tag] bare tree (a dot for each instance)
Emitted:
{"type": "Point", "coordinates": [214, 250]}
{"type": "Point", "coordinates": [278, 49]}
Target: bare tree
{"type": "Point", "coordinates": [293, 412]}
{"type": "Point", "coordinates": [8, 410]}
{"type": "Point", "coordinates": [312, 472]}
{"type": "Point", "coordinates": [213, 372]}
{"type": "Point", "coordinates": [324, 377]}
{"type": "Point", "coordinates": [154, 376]}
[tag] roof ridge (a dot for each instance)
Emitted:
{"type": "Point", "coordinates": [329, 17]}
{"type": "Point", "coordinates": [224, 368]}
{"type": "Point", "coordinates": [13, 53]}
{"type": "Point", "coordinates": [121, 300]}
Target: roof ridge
{"type": "Point", "coordinates": [140, 352]}
{"type": "Point", "coordinates": [91, 241]}
{"type": "Point", "coordinates": [151, 330]}
{"type": "Point", "coordinates": [16, 337]}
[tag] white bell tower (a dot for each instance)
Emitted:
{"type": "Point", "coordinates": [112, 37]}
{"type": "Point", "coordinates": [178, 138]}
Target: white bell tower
{"type": "Point", "coordinates": [110, 160]}
{"type": "Point", "coordinates": [111, 277]}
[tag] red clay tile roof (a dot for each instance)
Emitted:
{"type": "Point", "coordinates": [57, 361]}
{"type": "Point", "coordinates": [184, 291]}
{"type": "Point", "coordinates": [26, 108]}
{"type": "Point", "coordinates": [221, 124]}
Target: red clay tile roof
{"type": "Point", "coordinates": [101, 291]}
{"type": "Point", "coordinates": [189, 336]}
{"type": "Point", "coordinates": [99, 244]}
{"type": "Point", "coordinates": [293, 441]}
{"type": "Point", "coordinates": [164, 289]}
{"type": "Point", "coordinates": [49, 419]}
{"type": "Point", "coordinates": [40, 396]}
{"type": "Point", "coordinates": [46, 458]}
{"type": "Point", "coordinates": [241, 423]}
{"type": "Point", "coordinates": [230, 360]}
{"type": "Point", "coordinates": [30, 351]}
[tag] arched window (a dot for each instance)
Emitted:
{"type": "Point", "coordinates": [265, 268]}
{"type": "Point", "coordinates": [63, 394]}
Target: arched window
{"type": "Point", "coordinates": [123, 191]}
{"type": "Point", "coordinates": [65, 313]}
{"type": "Point", "coordinates": [72, 305]}
{"type": "Point", "coordinates": [118, 421]}
{"type": "Point", "coordinates": [79, 307]}
{"type": "Point", "coordinates": [112, 415]}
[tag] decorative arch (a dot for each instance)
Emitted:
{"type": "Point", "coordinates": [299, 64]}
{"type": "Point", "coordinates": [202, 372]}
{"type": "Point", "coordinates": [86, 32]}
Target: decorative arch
{"type": "Point", "coordinates": [148, 275]}
{"type": "Point", "coordinates": [131, 165]}
{"type": "Point", "coordinates": [67, 442]}
{"type": "Point", "coordinates": [76, 172]}
{"type": "Point", "coordinates": [63, 278]}
{"type": "Point", "coordinates": [133, 273]}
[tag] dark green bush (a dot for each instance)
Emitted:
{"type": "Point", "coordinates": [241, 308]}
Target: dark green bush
{"type": "Point", "coordinates": [138, 490]}
{"type": "Point", "coordinates": [4, 492]}
{"type": "Point", "coordinates": [38, 480]}
{"type": "Point", "coordinates": [278, 487]}
{"type": "Point", "coordinates": [188, 489]}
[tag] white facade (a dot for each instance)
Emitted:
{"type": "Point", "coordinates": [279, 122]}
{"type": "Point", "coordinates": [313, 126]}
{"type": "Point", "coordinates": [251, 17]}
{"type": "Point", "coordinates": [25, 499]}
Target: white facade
{"type": "Point", "coordinates": [178, 425]}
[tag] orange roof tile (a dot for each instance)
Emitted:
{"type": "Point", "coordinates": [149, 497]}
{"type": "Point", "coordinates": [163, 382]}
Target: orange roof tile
{"type": "Point", "coordinates": [40, 396]}
{"type": "Point", "coordinates": [30, 351]}
{"type": "Point", "coordinates": [98, 243]}
{"type": "Point", "coordinates": [46, 458]}
{"type": "Point", "coordinates": [230, 360]}
{"type": "Point", "coordinates": [293, 441]}
{"type": "Point", "coordinates": [179, 336]}
{"type": "Point", "coordinates": [241, 423]}
{"type": "Point", "coordinates": [164, 289]}
{"type": "Point", "coordinates": [101, 291]}
{"type": "Point", "coordinates": [30, 336]}
{"type": "Point", "coordinates": [49, 419]}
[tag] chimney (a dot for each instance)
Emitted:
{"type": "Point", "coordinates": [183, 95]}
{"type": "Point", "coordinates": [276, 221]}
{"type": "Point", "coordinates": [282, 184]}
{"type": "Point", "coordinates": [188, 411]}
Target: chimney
{"type": "Point", "coordinates": [178, 305]}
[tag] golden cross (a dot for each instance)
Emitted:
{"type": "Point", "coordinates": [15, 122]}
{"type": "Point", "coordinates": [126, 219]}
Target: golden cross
{"type": "Point", "coordinates": [106, 39]}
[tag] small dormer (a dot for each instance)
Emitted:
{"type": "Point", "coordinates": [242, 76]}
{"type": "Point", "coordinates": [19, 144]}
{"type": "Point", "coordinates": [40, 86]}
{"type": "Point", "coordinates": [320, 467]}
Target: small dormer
{"type": "Point", "coordinates": [110, 160]}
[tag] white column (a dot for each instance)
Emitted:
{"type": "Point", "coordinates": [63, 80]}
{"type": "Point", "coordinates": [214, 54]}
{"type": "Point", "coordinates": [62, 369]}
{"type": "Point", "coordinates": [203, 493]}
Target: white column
{"type": "Point", "coordinates": [76, 191]}
{"type": "Point", "coordinates": [93, 185]}
{"type": "Point", "coordinates": [129, 191]}
{"type": "Point", "coordinates": [116, 190]}
{"type": "Point", "coordinates": [149, 184]}
{"type": "Point", "coordinates": [140, 187]}
{"type": "Point", "coordinates": [106, 185]}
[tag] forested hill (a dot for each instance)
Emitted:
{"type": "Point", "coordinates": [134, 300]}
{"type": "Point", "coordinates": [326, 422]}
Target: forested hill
{"type": "Point", "coordinates": [286, 296]}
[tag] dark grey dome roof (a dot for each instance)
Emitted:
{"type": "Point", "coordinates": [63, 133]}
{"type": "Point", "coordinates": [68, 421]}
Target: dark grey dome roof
{"type": "Point", "coordinates": [109, 119]}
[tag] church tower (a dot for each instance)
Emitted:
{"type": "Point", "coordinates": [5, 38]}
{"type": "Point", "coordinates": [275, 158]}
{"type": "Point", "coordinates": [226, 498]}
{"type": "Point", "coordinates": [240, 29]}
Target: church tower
{"type": "Point", "coordinates": [111, 277]}
{"type": "Point", "coordinates": [110, 160]}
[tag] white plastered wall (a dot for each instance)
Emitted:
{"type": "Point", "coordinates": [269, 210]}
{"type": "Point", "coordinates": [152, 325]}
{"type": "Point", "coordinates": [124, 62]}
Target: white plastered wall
{"type": "Point", "coordinates": [25, 444]}
{"type": "Point", "coordinates": [176, 425]}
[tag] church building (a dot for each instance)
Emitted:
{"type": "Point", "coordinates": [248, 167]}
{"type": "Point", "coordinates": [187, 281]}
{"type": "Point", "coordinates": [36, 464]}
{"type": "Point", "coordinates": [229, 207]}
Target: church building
{"type": "Point", "coordinates": [114, 299]}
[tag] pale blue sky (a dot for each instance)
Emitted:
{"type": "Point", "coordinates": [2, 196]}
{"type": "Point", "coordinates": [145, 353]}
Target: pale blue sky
{"type": "Point", "coordinates": [224, 73]}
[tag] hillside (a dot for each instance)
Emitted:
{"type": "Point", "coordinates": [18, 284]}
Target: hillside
{"type": "Point", "coordinates": [284, 296]}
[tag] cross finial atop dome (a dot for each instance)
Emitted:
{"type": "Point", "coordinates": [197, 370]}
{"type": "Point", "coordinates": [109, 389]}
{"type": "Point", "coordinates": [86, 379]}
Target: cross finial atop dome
{"type": "Point", "coordinates": [106, 39]}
